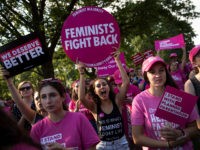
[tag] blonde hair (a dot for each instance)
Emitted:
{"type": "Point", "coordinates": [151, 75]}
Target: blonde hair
{"type": "Point", "coordinates": [24, 82]}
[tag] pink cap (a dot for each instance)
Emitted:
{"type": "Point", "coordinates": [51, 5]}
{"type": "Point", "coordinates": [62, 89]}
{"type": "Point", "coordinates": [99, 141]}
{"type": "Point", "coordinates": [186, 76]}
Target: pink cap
{"type": "Point", "coordinates": [193, 52]}
{"type": "Point", "coordinates": [130, 70]}
{"type": "Point", "coordinates": [149, 62]}
{"type": "Point", "coordinates": [173, 55]}
{"type": "Point", "coordinates": [117, 77]}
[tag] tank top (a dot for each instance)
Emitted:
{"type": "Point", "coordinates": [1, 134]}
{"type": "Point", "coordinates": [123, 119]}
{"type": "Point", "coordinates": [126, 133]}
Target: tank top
{"type": "Point", "coordinates": [196, 84]}
{"type": "Point", "coordinates": [110, 126]}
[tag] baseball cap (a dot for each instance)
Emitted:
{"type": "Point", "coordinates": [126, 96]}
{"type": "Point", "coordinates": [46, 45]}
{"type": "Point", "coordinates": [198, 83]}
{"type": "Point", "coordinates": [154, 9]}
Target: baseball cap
{"type": "Point", "coordinates": [173, 55]}
{"type": "Point", "coordinates": [117, 77]}
{"type": "Point", "coordinates": [149, 62]}
{"type": "Point", "coordinates": [130, 70]}
{"type": "Point", "coordinates": [193, 52]}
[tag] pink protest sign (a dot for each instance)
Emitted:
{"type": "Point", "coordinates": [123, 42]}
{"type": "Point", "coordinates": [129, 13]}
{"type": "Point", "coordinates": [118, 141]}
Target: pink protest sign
{"type": "Point", "coordinates": [89, 35]}
{"type": "Point", "coordinates": [170, 43]}
{"type": "Point", "coordinates": [148, 54]}
{"type": "Point", "coordinates": [176, 106]}
{"type": "Point", "coordinates": [110, 67]}
{"type": "Point", "coordinates": [137, 58]}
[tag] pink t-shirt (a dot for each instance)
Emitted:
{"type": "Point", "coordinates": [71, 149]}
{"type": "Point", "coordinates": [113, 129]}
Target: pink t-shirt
{"type": "Point", "coordinates": [179, 78]}
{"type": "Point", "coordinates": [74, 130]}
{"type": "Point", "coordinates": [143, 113]}
{"type": "Point", "coordinates": [132, 91]}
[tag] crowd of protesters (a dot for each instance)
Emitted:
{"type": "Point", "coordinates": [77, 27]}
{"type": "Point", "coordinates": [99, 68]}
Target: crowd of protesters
{"type": "Point", "coordinates": [106, 113]}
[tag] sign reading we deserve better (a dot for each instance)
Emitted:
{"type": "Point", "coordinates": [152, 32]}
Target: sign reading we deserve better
{"type": "Point", "coordinates": [176, 106]}
{"type": "Point", "coordinates": [170, 43]}
{"type": "Point", "coordinates": [89, 35]}
{"type": "Point", "coordinates": [22, 54]}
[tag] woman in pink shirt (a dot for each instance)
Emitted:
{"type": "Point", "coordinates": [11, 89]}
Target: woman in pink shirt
{"type": "Point", "coordinates": [153, 132]}
{"type": "Point", "coordinates": [61, 129]}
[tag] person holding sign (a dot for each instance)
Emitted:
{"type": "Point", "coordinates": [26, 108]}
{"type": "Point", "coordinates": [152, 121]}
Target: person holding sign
{"type": "Point", "coordinates": [106, 107]}
{"type": "Point", "coordinates": [23, 98]}
{"type": "Point", "coordinates": [176, 69]}
{"type": "Point", "coordinates": [149, 130]}
{"type": "Point", "coordinates": [32, 116]}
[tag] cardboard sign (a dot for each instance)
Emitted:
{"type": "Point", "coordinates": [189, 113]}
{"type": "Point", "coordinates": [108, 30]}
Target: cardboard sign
{"type": "Point", "coordinates": [110, 67]}
{"type": "Point", "coordinates": [170, 43]}
{"type": "Point", "coordinates": [138, 58]}
{"type": "Point", "coordinates": [89, 35]}
{"type": "Point", "coordinates": [176, 106]}
{"type": "Point", "coordinates": [23, 54]}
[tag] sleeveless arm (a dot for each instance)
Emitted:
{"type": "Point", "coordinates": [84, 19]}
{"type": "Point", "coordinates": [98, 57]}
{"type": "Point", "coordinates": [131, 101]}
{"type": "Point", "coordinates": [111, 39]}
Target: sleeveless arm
{"type": "Point", "coordinates": [26, 111]}
{"type": "Point", "coordinates": [125, 80]}
{"type": "Point", "coordinates": [183, 61]}
{"type": "Point", "coordinates": [81, 91]}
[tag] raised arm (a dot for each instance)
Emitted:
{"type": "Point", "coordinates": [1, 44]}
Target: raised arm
{"type": "Point", "coordinates": [125, 79]}
{"type": "Point", "coordinates": [26, 111]}
{"type": "Point", "coordinates": [81, 91]}
{"type": "Point", "coordinates": [183, 61]}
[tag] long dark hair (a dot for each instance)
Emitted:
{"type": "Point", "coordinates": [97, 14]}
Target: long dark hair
{"type": "Point", "coordinates": [12, 134]}
{"type": "Point", "coordinates": [169, 80]}
{"type": "Point", "coordinates": [95, 96]}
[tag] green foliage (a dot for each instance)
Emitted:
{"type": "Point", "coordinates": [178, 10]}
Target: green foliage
{"type": "Point", "coordinates": [141, 23]}
{"type": "Point", "coordinates": [144, 22]}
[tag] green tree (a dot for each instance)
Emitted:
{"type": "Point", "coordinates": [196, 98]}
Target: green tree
{"type": "Point", "coordinates": [141, 23]}
{"type": "Point", "coordinates": [46, 17]}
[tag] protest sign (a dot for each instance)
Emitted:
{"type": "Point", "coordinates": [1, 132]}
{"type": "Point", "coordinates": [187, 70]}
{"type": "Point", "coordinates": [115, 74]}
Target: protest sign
{"type": "Point", "coordinates": [110, 67]}
{"type": "Point", "coordinates": [89, 35]}
{"type": "Point", "coordinates": [176, 105]}
{"type": "Point", "coordinates": [170, 43]}
{"type": "Point", "coordinates": [137, 58]}
{"type": "Point", "coordinates": [23, 54]}
{"type": "Point", "coordinates": [148, 54]}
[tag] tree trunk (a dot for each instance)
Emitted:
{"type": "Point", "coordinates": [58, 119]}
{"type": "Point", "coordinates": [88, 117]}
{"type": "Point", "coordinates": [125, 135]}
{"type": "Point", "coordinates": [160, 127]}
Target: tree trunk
{"type": "Point", "coordinates": [48, 69]}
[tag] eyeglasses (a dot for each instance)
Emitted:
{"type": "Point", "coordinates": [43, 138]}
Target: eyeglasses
{"type": "Point", "coordinates": [102, 84]}
{"type": "Point", "coordinates": [25, 88]}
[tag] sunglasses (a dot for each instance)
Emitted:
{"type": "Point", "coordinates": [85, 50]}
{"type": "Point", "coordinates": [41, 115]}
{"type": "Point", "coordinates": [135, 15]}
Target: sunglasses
{"type": "Point", "coordinates": [25, 88]}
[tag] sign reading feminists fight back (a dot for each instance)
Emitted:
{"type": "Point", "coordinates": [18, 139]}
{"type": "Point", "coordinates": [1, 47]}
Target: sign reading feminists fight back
{"type": "Point", "coordinates": [22, 54]}
{"type": "Point", "coordinates": [89, 35]}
